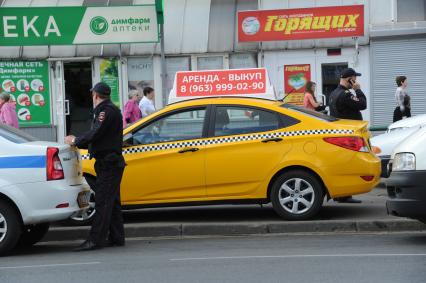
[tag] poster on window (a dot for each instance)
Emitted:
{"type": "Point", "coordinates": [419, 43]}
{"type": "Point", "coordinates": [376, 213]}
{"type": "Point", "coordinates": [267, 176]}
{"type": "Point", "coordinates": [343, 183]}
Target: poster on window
{"type": "Point", "coordinates": [27, 82]}
{"type": "Point", "coordinates": [295, 79]}
{"type": "Point", "coordinates": [140, 73]}
{"type": "Point", "coordinates": [109, 75]}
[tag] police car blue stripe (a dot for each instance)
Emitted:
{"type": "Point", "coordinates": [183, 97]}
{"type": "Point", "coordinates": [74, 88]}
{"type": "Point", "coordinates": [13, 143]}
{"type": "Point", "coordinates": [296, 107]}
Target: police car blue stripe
{"type": "Point", "coordinates": [10, 162]}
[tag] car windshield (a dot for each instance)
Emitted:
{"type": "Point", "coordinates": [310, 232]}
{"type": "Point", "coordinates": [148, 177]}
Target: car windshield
{"type": "Point", "coordinates": [308, 112]}
{"type": "Point", "coordinates": [15, 135]}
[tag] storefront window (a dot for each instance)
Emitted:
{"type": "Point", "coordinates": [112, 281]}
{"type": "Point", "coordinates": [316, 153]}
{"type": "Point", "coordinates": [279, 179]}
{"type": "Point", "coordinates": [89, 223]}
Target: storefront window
{"type": "Point", "coordinates": [173, 65]}
{"type": "Point", "coordinates": [140, 73]}
{"type": "Point", "coordinates": [242, 61]}
{"type": "Point", "coordinates": [210, 63]}
{"type": "Point", "coordinates": [411, 10]}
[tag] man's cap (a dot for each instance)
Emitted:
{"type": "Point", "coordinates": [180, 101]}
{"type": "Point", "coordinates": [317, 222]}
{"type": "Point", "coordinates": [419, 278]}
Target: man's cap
{"type": "Point", "coordinates": [101, 88]}
{"type": "Point", "coordinates": [349, 72]}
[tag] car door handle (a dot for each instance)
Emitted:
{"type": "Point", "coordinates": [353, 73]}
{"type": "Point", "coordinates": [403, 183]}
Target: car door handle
{"type": "Point", "coordinates": [192, 149]}
{"type": "Point", "coordinates": [272, 140]}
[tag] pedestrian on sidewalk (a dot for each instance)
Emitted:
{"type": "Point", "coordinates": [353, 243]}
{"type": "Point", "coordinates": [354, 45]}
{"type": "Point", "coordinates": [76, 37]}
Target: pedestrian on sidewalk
{"type": "Point", "coordinates": [104, 142]}
{"type": "Point", "coordinates": [403, 105]}
{"type": "Point", "coordinates": [8, 111]}
{"type": "Point", "coordinates": [132, 113]}
{"type": "Point", "coordinates": [147, 103]}
{"type": "Point", "coordinates": [347, 105]}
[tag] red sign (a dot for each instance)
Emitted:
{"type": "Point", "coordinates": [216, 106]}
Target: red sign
{"type": "Point", "coordinates": [295, 79]}
{"type": "Point", "coordinates": [225, 82]}
{"type": "Point", "coordinates": [295, 24]}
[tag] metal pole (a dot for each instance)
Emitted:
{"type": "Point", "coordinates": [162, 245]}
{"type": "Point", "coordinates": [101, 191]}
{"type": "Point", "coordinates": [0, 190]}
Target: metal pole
{"type": "Point", "coordinates": [163, 68]}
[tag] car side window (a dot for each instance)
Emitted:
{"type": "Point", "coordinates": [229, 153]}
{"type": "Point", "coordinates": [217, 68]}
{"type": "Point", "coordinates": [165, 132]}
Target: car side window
{"type": "Point", "coordinates": [236, 120]}
{"type": "Point", "coordinates": [183, 125]}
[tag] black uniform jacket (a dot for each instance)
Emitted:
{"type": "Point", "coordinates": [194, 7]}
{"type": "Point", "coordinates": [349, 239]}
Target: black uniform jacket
{"type": "Point", "coordinates": [106, 133]}
{"type": "Point", "coordinates": [345, 105]}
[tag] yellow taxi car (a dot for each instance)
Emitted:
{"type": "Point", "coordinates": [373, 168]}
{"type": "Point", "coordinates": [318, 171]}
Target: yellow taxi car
{"type": "Point", "coordinates": [244, 150]}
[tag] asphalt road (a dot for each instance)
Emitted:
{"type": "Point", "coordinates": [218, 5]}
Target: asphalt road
{"type": "Point", "coordinates": [373, 206]}
{"type": "Point", "coordinates": [397, 257]}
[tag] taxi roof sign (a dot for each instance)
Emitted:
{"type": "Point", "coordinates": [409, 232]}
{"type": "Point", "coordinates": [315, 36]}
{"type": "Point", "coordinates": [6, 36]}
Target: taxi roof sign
{"type": "Point", "coordinates": [219, 83]}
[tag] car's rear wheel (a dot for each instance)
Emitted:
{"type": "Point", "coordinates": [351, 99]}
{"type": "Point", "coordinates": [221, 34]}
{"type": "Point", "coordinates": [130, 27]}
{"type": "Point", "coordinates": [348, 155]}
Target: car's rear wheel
{"type": "Point", "coordinates": [33, 234]}
{"type": "Point", "coordinates": [297, 195]}
{"type": "Point", "coordinates": [10, 227]}
{"type": "Point", "coordinates": [86, 217]}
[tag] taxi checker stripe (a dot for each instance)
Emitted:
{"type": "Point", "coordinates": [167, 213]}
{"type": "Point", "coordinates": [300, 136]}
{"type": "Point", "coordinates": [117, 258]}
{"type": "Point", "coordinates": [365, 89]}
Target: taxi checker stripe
{"type": "Point", "coordinates": [229, 139]}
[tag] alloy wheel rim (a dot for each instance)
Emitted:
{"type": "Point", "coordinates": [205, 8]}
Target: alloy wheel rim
{"type": "Point", "coordinates": [296, 196]}
{"type": "Point", "coordinates": [3, 227]}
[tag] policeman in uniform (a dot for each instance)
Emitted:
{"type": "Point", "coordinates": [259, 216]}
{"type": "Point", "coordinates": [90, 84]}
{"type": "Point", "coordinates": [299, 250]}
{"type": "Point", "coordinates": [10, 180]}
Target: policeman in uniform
{"type": "Point", "coordinates": [104, 142]}
{"type": "Point", "coordinates": [346, 105]}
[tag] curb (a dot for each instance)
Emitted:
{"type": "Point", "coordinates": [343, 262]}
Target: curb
{"type": "Point", "coordinates": [145, 230]}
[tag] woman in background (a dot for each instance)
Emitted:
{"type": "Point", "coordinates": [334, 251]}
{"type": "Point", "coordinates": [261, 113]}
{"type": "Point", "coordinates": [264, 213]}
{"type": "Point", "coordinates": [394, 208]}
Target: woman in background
{"type": "Point", "coordinates": [132, 113]}
{"type": "Point", "coordinates": [8, 111]}
{"type": "Point", "coordinates": [309, 101]}
{"type": "Point", "coordinates": [403, 105]}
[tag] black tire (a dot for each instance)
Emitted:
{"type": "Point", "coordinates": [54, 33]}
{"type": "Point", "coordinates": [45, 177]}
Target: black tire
{"type": "Point", "coordinates": [11, 227]}
{"type": "Point", "coordinates": [33, 234]}
{"type": "Point", "coordinates": [306, 199]}
{"type": "Point", "coordinates": [87, 218]}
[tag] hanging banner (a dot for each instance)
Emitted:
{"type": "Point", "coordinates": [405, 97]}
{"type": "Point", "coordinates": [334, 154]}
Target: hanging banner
{"type": "Point", "coordinates": [78, 25]}
{"type": "Point", "coordinates": [27, 82]}
{"type": "Point", "coordinates": [295, 79]}
{"type": "Point", "coordinates": [296, 24]}
{"type": "Point", "coordinates": [108, 69]}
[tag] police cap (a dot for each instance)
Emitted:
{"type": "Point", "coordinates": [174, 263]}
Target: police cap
{"type": "Point", "coordinates": [101, 88]}
{"type": "Point", "coordinates": [349, 72]}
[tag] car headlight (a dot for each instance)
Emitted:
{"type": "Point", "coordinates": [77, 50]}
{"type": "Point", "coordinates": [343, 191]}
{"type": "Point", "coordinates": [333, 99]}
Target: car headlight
{"type": "Point", "coordinates": [404, 161]}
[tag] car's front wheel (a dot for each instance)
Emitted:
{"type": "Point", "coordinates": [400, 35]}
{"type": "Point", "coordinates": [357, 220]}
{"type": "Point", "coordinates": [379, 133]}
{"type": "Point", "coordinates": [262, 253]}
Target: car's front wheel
{"type": "Point", "coordinates": [10, 227]}
{"type": "Point", "coordinates": [297, 195]}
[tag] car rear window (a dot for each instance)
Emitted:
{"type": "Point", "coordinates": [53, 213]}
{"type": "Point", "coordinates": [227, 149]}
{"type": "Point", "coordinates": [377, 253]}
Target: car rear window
{"type": "Point", "coordinates": [15, 135]}
{"type": "Point", "coordinates": [309, 112]}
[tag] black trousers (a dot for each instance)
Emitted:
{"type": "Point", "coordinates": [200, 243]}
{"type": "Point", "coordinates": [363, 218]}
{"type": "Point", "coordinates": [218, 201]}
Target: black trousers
{"type": "Point", "coordinates": [108, 220]}
{"type": "Point", "coordinates": [398, 114]}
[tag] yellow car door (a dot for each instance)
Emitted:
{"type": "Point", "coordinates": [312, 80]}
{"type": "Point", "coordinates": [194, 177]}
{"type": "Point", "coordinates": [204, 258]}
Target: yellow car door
{"type": "Point", "coordinates": [165, 159]}
{"type": "Point", "coordinates": [243, 150]}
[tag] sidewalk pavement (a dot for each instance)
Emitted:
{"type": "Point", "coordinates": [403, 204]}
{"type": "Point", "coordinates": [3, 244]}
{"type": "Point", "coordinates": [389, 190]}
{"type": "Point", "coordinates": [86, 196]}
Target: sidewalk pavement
{"type": "Point", "coordinates": [225, 220]}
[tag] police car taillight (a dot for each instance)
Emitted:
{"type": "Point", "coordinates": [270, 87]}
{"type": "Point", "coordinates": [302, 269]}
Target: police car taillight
{"type": "Point", "coordinates": [54, 168]}
{"type": "Point", "coordinates": [352, 143]}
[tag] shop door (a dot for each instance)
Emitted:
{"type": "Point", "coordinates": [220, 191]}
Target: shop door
{"type": "Point", "coordinates": [330, 78]}
{"type": "Point", "coordinates": [78, 100]}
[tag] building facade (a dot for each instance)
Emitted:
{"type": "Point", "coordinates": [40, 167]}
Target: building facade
{"type": "Point", "coordinates": [202, 35]}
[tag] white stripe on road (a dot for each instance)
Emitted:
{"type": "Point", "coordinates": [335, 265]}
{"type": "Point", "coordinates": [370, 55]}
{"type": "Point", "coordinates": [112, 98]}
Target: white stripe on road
{"type": "Point", "coordinates": [49, 265]}
{"type": "Point", "coordinates": [295, 256]}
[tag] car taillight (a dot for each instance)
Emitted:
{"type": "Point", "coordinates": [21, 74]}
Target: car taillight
{"type": "Point", "coordinates": [54, 168]}
{"type": "Point", "coordinates": [352, 143]}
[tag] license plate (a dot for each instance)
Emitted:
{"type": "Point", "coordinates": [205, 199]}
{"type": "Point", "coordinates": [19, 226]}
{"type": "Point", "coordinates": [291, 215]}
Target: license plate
{"type": "Point", "coordinates": [83, 199]}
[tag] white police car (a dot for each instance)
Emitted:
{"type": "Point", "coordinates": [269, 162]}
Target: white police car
{"type": "Point", "coordinates": [40, 182]}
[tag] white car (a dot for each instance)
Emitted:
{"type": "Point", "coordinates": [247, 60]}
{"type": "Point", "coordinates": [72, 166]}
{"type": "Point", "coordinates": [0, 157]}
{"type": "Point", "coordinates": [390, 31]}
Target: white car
{"type": "Point", "coordinates": [40, 182]}
{"type": "Point", "coordinates": [394, 135]}
{"type": "Point", "coordinates": [415, 121]}
{"type": "Point", "coordinates": [407, 181]}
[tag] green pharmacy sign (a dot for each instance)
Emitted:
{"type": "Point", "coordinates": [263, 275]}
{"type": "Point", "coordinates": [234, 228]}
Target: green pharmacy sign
{"type": "Point", "coordinates": [27, 82]}
{"type": "Point", "coordinates": [78, 25]}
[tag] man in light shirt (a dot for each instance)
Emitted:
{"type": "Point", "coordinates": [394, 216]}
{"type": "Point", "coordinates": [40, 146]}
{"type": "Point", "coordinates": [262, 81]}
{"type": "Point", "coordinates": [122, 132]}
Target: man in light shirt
{"type": "Point", "coordinates": [146, 105]}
